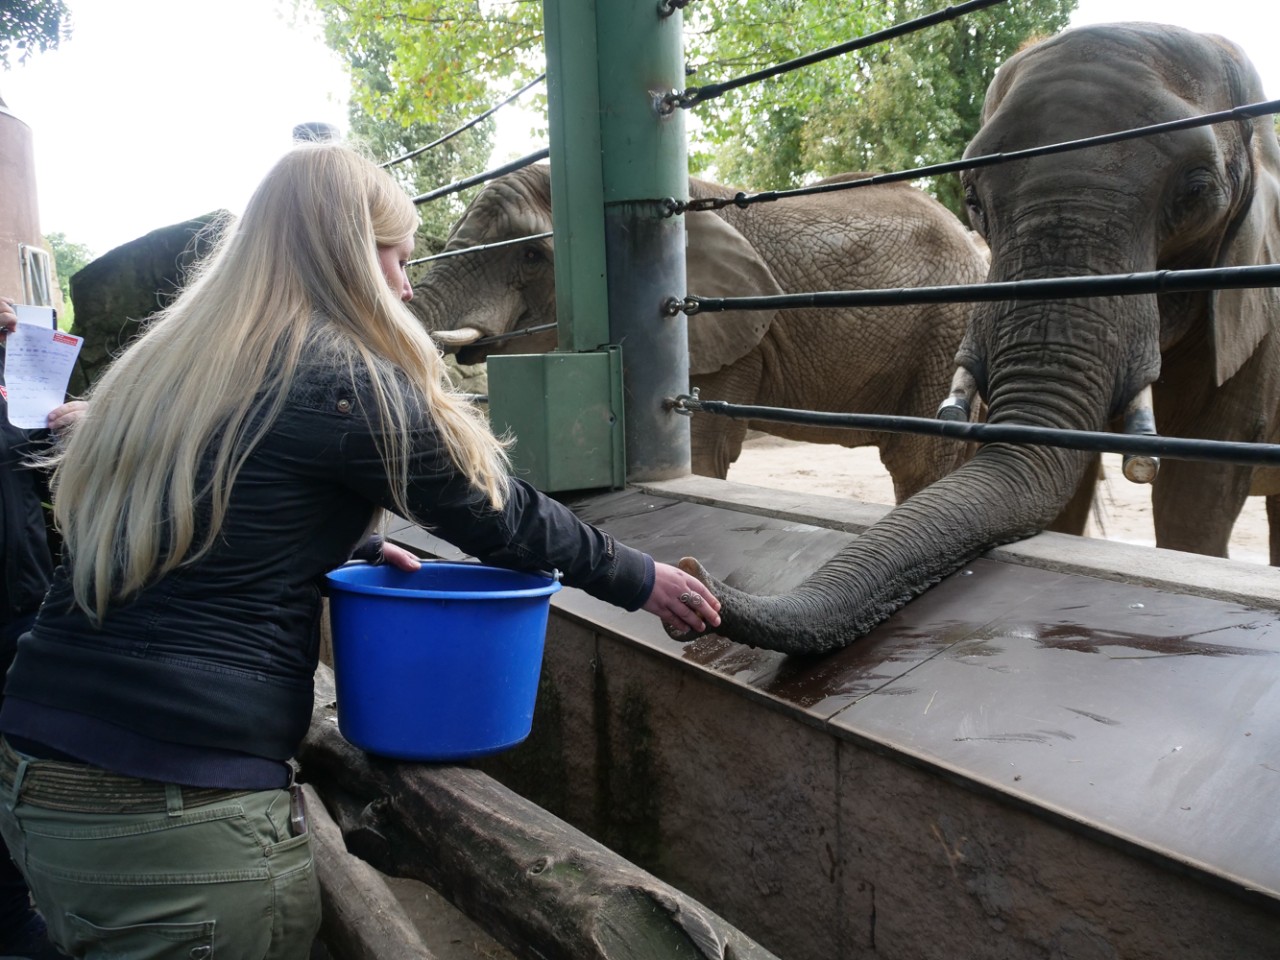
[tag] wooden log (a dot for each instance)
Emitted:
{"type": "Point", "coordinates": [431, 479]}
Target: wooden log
{"type": "Point", "coordinates": [542, 888]}
{"type": "Point", "coordinates": [361, 918]}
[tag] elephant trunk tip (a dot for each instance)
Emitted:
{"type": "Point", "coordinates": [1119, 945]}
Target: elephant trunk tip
{"type": "Point", "coordinates": [781, 623]}
{"type": "Point", "coordinates": [695, 569]}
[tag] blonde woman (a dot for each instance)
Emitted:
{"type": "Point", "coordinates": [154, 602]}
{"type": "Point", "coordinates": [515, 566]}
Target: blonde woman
{"type": "Point", "coordinates": [25, 569]}
{"type": "Point", "coordinates": [242, 447]}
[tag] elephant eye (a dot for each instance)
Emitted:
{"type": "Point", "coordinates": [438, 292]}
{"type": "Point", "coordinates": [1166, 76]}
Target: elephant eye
{"type": "Point", "coordinates": [1197, 185]}
{"type": "Point", "coordinates": [532, 254]}
{"type": "Point", "coordinates": [977, 215]}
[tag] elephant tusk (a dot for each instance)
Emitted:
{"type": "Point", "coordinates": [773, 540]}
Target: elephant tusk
{"type": "Point", "coordinates": [959, 404]}
{"type": "Point", "coordinates": [453, 339]}
{"type": "Point", "coordinates": [1140, 420]}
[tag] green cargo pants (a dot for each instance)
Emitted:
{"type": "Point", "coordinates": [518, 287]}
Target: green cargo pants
{"type": "Point", "coordinates": [210, 875]}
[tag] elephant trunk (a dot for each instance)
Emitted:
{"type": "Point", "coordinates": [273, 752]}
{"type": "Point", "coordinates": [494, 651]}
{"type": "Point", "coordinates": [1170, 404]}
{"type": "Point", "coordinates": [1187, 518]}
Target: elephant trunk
{"type": "Point", "coordinates": [1005, 493]}
{"type": "Point", "coordinates": [983, 504]}
{"type": "Point", "coordinates": [450, 331]}
{"type": "Point", "coordinates": [1068, 365]}
{"type": "Point", "coordinates": [429, 307]}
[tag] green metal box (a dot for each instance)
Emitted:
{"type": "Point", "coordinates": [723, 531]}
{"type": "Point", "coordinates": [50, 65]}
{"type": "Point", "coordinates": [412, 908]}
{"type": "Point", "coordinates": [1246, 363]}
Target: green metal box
{"type": "Point", "coordinates": [565, 411]}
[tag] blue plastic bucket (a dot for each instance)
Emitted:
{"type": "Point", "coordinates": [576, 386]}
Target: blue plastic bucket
{"type": "Point", "coordinates": [438, 664]}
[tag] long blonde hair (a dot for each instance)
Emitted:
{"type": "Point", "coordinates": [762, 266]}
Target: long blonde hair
{"type": "Point", "coordinates": [211, 371]}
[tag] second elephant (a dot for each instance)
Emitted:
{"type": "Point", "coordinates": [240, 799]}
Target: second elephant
{"type": "Point", "coordinates": [885, 360]}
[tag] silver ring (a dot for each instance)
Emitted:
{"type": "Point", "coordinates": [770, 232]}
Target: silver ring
{"type": "Point", "coordinates": [695, 599]}
{"type": "Point", "coordinates": [684, 598]}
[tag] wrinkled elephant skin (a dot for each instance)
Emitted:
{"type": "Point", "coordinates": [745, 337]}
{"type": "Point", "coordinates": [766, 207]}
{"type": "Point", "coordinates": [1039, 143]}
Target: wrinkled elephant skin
{"type": "Point", "coordinates": [1205, 197]}
{"type": "Point", "coordinates": [1201, 198]}
{"type": "Point", "coordinates": [888, 360]}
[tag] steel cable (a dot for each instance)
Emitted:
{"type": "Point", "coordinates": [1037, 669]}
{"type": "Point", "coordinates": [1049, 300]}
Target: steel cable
{"type": "Point", "coordinates": [1119, 284]}
{"type": "Point", "coordinates": [1247, 111]}
{"type": "Point", "coordinates": [696, 95]}
{"type": "Point", "coordinates": [466, 126]}
{"type": "Point", "coordinates": [479, 248]}
{"type": "Point", "coordinates": [496, 172]}
{"type": "Point", "coordinates": [1174, 448]}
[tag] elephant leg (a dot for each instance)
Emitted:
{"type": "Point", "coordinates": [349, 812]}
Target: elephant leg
{"type": "Point", "coordinates": [1195, 505]}
{"type": "Point", "coordinates": [1075, 515]}
{"type": "Point", "coordinates": [715, 442]}
{"type": "Point", "coordinates": [914, 461]}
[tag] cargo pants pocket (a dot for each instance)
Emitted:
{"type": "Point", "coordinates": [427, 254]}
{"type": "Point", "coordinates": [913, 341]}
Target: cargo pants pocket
{"type": "Point", "coordinates": [141, 941]}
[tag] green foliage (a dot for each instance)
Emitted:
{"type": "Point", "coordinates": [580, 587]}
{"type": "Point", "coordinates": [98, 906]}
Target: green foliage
{"type": "Point", "coordinates": [897, 105]}
{"type": "Point", "coordinates": [68, 257]}
{"type": "Point", "coordinates": [31, 26]}
{"type": "Point", "coordinates": [398, 105]}
{"type": "Point", "coordinates": [894, 105]}
{"type": "Point", "coordinates": [444, 54]}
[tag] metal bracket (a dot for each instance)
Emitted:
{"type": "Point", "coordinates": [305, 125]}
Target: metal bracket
{"type": "Point", "coordinates": [684, 404]}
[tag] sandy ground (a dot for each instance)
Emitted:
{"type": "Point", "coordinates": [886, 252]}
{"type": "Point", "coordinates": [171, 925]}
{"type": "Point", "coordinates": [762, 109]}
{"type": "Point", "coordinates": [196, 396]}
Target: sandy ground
{"type": "Point", "coordinates": [1122, 510]}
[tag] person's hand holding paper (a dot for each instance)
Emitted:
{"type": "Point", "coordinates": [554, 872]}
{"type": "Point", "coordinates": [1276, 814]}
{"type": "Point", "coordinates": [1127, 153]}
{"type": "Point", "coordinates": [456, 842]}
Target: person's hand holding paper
{"type": "Point", "coordinates": [37, 364]}
{"type": "Point", "coordinates": [8, 318]}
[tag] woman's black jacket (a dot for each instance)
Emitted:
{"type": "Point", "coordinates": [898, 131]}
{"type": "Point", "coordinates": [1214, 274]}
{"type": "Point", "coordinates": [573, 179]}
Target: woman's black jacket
{"type": "Point", "coordinates": [24, 544]}
{"type": "Point", "coordinates": [221, 652]}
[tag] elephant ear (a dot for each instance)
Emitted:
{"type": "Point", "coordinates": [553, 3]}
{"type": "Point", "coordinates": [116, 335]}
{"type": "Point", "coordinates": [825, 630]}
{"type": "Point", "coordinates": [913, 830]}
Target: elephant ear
{"type": "Point", "coordinates": [1241, 318]}
{"type": "Point", "coordinates": [722, 263]}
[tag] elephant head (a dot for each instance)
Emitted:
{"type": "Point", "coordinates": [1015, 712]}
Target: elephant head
{"type": "Point", "coordinates": [1196, 198]}
{"type": "Point", "coordinates": [467, 297]}
{"type": "Point", "coordinates": [873, 360]}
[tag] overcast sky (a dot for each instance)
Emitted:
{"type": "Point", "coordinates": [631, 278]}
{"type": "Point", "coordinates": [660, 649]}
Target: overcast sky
{"type": "Point", "coordinates": [159, 110]}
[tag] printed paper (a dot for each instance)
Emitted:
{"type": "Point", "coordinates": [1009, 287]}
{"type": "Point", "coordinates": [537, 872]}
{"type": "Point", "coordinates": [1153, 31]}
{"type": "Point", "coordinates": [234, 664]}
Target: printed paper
{"type": "Point", "coordinates": [37, 367]}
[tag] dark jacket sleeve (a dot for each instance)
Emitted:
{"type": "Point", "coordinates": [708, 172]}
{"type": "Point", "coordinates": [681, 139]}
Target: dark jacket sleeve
{"type": "Point", "coordinates": [530, 532]}
{"type": "Point", "coordinates": [25, 561]}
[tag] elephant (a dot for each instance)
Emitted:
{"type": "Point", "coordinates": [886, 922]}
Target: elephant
{"type": "Point", "coordinates": [1208, 196]}
{"type": "Point", "coordinates": [888, 360]}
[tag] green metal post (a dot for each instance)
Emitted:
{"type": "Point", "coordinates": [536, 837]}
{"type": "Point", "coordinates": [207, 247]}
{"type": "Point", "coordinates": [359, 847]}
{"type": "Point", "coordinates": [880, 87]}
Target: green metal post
{"type": "Point", "coordinates": [566, 408]}
{"type": "Point", "coordinates": [614, 158]}
{"type": "Point", "coordinates": [577, 188]}
{"type": "Point", "coordinates": [643, 151]}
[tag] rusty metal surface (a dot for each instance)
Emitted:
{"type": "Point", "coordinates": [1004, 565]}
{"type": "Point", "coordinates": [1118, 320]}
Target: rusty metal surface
{"type": "Point", "coordinates": [1147, 716]}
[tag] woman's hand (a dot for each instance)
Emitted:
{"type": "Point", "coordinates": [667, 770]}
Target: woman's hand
{"type": "Point", "coordinates": [399, 557]}
{"type": "Point", "coordinates": [8, 318]}
{"type": "Point", "coordinates": [60, 418]}
{"type": "Point", "coordinates": [682, 602]}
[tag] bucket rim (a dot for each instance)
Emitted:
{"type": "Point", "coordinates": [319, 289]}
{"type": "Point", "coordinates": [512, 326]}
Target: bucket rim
{"type": "Point", "coordinates": [343, 585]}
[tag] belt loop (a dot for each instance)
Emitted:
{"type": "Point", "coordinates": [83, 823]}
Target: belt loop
{"type": "Point", "coordinates": [19, 774]}
{"type": "Point", "coordinates": [9, 756]}
{"type": "Point", "coordinates": [173, 799]}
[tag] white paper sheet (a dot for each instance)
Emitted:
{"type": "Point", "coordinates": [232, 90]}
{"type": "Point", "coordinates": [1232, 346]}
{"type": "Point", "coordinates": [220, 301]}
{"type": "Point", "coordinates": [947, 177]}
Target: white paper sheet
{"type": "Point", "coordinates": [37, 366]}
